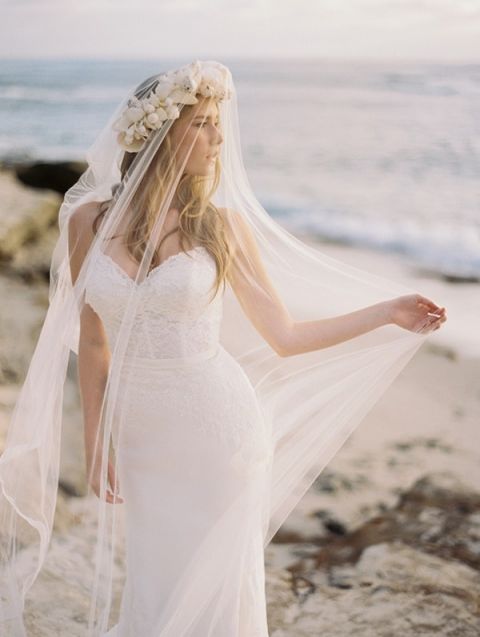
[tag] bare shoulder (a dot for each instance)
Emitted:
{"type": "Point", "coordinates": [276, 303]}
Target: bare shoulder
{"type": "Point", "coordinates": [80, 225]}
{"type": "Point", "coordinates": [82, 218]}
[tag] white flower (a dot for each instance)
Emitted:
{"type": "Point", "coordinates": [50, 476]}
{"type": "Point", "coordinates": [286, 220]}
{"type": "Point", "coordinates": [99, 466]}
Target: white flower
{"type": "Point", "coordinates": [148, 107]}
{"type": "Point", "coordinates": [153, 119]}
{"type": "Point", "coordinates": [154, 100]}
{"type": "Point", "coordinates": [173, 111]}
{"type": "Point", "coordinates": [175, 88]}
{"type": "Point", "coordinates": [183, 97]}
{"type": "Point", "coordinates": [206, 89]}
{"type": "Point", "coordinates": [128, 144]}
{"type": "Point", "coordinates": [134, 114]}
{"type": "Point", "coordinates": [163, 89]}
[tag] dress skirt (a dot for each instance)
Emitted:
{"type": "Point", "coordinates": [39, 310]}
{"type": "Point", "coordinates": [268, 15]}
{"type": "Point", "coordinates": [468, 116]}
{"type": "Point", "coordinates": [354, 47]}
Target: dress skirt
{"type": "Point", "coordinates": [193, 455]}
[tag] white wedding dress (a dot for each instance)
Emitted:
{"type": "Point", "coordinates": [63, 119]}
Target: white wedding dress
{"type": "Point", "coordinates": [192, 446]}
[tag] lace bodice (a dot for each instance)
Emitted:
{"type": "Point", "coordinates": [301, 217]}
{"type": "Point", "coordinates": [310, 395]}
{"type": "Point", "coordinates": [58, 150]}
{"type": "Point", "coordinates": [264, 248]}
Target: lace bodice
{"type": "Point", "coordinates": [174, 316]}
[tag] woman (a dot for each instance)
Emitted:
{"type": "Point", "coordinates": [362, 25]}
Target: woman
{"type": "Point", "coordinates": [221, 361]}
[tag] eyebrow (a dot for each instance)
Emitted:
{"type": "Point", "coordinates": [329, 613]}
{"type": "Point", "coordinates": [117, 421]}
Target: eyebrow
{"type": "Point", "coordinates": [205, 117]}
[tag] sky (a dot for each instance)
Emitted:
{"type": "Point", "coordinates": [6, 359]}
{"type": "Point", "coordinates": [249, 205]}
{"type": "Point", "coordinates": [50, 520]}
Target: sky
{"type": "Point", "coordinates": [443, 30]}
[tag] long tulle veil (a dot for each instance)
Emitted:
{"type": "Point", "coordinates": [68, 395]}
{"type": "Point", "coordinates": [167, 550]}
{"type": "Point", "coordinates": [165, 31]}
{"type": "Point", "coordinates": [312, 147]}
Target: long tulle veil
{"type": "Point", "coordinates": [311, 401]}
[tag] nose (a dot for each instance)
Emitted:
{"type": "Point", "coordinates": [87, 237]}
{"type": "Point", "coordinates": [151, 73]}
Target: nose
{"type": "Point", "coordinates": [219, 136]}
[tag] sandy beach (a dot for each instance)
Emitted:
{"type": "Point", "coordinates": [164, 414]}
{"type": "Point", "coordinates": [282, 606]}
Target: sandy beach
{"type": "Point", "coordinates": [426, 428]}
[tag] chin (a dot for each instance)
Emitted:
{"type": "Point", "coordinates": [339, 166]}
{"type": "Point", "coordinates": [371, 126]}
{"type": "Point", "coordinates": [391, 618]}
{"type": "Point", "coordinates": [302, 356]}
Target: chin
{"type": "Point", "coordinates": [203, 171]}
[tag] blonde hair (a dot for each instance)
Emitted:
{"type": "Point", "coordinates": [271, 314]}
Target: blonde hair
{"type": "Point", "coordinates": [199, 222]}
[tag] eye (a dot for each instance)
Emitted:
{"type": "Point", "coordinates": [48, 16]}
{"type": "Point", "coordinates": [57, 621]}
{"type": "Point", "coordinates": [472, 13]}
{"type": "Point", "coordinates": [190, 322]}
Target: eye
{"type": "Point", "coordinates": [205, 122]}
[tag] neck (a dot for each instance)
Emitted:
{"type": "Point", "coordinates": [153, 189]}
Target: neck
{"type": "Point", "coordinates": [175, 203]}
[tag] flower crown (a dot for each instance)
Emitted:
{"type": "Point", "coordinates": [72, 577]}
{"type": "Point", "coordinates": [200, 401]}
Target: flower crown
{"type": "Point", "coordinates": [148, 114]}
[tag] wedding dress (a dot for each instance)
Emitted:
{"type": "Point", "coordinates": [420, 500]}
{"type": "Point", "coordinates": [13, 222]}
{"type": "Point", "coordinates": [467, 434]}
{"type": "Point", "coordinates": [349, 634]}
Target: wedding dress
{"type": "Point", "coordinates": [184, 386]}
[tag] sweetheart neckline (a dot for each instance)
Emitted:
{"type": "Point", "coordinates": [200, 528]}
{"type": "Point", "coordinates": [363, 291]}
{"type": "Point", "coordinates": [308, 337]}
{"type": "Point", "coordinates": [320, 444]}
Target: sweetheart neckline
{"type": "Point", "coordinates": [153, 270]}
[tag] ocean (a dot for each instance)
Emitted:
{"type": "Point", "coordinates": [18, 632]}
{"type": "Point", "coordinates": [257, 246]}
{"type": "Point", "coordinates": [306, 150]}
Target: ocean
{"type": "Point", "coordinates": [382, 155]}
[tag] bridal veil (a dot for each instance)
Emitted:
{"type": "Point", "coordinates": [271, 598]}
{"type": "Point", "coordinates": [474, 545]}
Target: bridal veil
{"type": "Point", "coordinates": [311, 401]}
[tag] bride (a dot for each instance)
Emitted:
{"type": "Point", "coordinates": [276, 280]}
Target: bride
{"type": "Point", "coordinates": [221, 363]}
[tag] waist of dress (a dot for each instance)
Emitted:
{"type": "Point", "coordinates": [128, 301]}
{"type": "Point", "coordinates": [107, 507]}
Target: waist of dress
{"type": "Point", "coordinates": [139, 362]}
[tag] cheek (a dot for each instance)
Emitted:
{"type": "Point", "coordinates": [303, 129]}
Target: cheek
{"type": "Point", "coordinates": [184, 139]}
{"type": "Point", "coordinates": [200, 146]}
{"type": "Point", "coordinates": [195, 142]}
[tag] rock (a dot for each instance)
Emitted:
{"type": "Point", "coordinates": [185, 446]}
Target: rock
{"type": "Point", "coordinates": [393, 590]}
{"type": "Point", "coordinates": [437, 514]}
{"type": "Point", "coordinates": [32, 261]}
{"type": "Point", "coordinates": [282, 605]}
{"type": "Point", "coordinates": [26, 215]}
{"type": "Point", "coordinates": [335, 526]}
{"type": "Point", "coordinates": [20, 323]}
{"type": "Point", "coordinates": [58, 176]}
{"type": "Point", "coordinates": [412, 570]}
{"type": "Point", "coordinates": [28, 229]}
{"type": "Point", "coordinates": [332, 482]}
{"type": "Point", "coordinates": [291, 532]}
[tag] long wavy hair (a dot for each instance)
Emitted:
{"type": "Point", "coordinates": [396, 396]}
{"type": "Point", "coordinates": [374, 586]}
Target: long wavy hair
{"type": "Point", "coordinates": [200, 221]}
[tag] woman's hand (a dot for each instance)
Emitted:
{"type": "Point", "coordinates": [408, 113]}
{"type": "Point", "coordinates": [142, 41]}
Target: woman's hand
{"type": "Point", "coordinates": [111, 492]}
{"type": "Point", "coordinates": [416, 313]}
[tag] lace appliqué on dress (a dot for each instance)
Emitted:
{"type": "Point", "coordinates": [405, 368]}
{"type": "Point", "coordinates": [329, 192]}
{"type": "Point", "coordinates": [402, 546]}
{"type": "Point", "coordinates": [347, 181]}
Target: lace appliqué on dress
{"type": "Point", "coordinates": [173, 316]}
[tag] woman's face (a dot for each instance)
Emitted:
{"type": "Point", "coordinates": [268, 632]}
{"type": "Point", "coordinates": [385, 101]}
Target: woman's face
{"type": "Point", "coordinates": [198, 125]}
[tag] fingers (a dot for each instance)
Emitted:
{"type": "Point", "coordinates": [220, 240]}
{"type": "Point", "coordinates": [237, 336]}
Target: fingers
{"type": "Point", "coordinates": [422, 300]}
{"type": "Point", "coordinates": [112, 492]}
{"type": "Point", "coordinates": [435, 316]}
{"type": "Point", "coordinates": [428, 303]}
{"type": "Point", "coordinates": [432, 324]}
{"type": "Point", "coordinates": [438, 313]}
{"type": "Point", "coordinates": [112, 488]}
{"type": "Point", "coordinates": [112, 478]}
{"type": "Point", "coordinates": [113, 498]}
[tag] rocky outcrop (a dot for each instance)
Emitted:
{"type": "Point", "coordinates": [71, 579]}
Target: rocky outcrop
{"type": "Point", "coordinates": [57, 176]}
{"type": "Point", "coordinates": [412, 570]}
{"type": "Point", "coordinates": [438, 515]}
{"type": "Point", "coordinates": [23, 311]}
{"type": "Point", "coordinates": [28, 228]}
{"type": "Point", "coordinates": [392, 590]}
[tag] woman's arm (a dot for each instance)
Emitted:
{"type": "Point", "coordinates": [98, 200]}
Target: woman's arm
{"type": "Point", "coordinates": [286, 336]}
{"type": "Point", "coordinates": [93, 350]}
{"type": "Point", "coordinates": [413, 312]}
